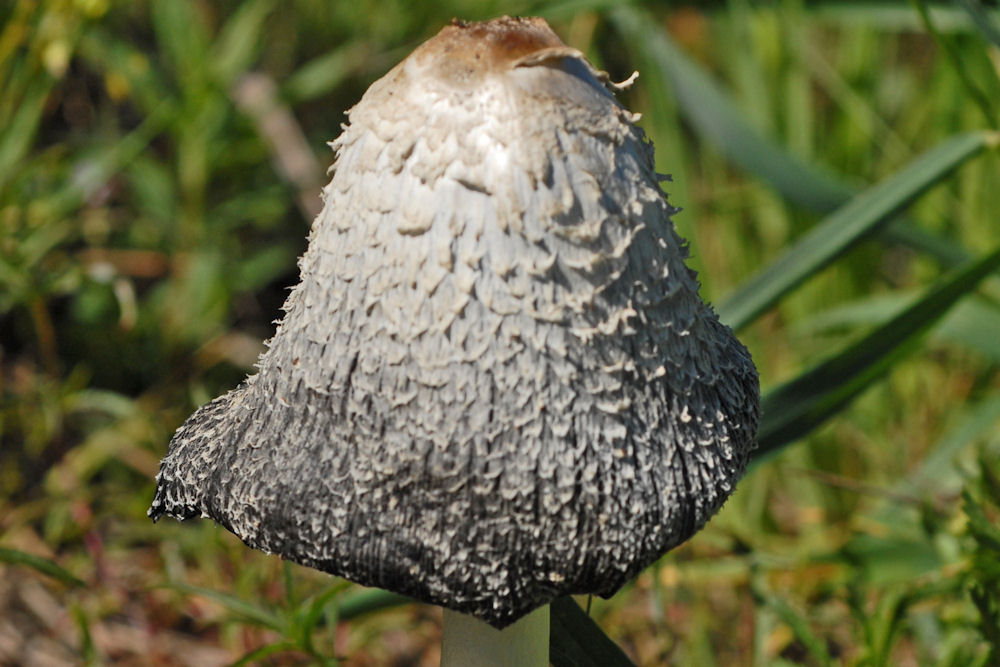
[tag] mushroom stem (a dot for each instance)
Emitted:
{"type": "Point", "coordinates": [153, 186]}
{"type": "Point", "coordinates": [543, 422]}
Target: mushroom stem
{"type": "Point", "coordinates": [468, 642]}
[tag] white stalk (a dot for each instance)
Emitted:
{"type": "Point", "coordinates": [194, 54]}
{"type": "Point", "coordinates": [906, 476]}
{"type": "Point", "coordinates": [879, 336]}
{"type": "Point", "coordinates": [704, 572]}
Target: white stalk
{"type": "Point", "coordinates": [468, 642]}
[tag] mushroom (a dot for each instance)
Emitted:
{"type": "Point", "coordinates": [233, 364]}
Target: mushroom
{"type": "Point", "coordinates": [496, 383]}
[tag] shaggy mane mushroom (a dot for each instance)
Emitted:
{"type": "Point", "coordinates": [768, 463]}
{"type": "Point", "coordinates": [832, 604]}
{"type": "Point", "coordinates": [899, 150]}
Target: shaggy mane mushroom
{"type": "Point", "coordinates": [496, 383]}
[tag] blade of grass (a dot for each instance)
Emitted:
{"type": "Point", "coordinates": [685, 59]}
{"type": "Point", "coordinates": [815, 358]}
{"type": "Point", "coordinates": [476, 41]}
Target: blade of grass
{"type": "Point", "coordinates": [889, 614]}
{"type": "Point", "coordinates": [980, 526]}
{"type": "Point", "coordinates": [975, 93]}
{"type": "Point", "coordinates": [145, 84]}
{"type": "Point", "coordinates": [17, 137]}
{"type": "Point", "coordinates": [891, 16]}
{"type": "Point", "coordinates": [289, 584]}
{"type": "Point", "coordinates": [43, 565]}
{"type": "Point", "coordinates": [239, 40]}
{"type": "Point", "coordinates": [665, 129]}
{"type": "Point", "coordinates": [973, 323]}
{"type": "Point", "coordinates": [367, 601]}
{"type": "Point", "coordinates": [238, 606]}
{"type": "Point", "coordinates": [982, 19]}
{"type": "Point", "coordinates": [800, 405]}
{"type": "Point", "coordinates": [568, 9]}
{"type": "Point", "coordinates": [92, 173]}
{"type": "Point", "coordinates": [310, 612]}
{"type": "Point", "coordinates": [577, 641]}
{"type": "Point", "coordinates": [87, 651]}
{"type": "Point", "coordinates": [182, 36]}
{"type": "Point", "coordinates": [938, 470]}
{"type": "Point", "coordinates": [97, 170]}
{"type": "Point", "coordinates": [948, 252]}
{"type": "Point", "coordinates": [256, 656]}
{"type": "Point", "coordinates": [848, 225]}
{"type": "Point", "coordinates": [324, 73]}
{"type": "Point", "coordinates": [792, 618]}
{"type": "Point", "coordinates": [714, 117]}
{"type": "Point", "coordinates": [14, 33]}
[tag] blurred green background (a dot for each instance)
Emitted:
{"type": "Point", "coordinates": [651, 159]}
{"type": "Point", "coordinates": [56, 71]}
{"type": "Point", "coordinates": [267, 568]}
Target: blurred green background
{"type": "Point", "coordinates": [838, 171]}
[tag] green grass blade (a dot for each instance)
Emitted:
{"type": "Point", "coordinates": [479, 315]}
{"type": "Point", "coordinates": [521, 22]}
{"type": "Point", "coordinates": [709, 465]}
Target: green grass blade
{"type": "Point", "coordinates": [893, 17]}
{"type": "Point", "coordinates": [43, 565]}
{"type": "Point", "coordinates": [367, 601]}
{"type": "Point", "coordinates": [714, 117]}
{"type": "Point", "coordinates": [312, 611]}
{"type": "Point", "coordinates": [980, 526]}
{"type": "Point", "coordinates": [324, 73]}
{"type": "Point", "coordinates": [88, 653]}
{"type": "Point", "coordinates": [235, 605]}
{"type": "Point", "coordinates": [256, 656]}
{"type": "Point", "coordinates": [577, 641]}
{"type": "Point", "coordinates": [575, 638]}
{"type": "Point", "coordinates": [947, 251]}
{"type": "Point", "coordinates": [181, 35]}
{"type": "Point", "coordinates": [848, 225]}
{"type": "Point", "coordinates": [17, 137]}
{"type": "Point", "coordinates": [956, 57]}
{"type": "Point", "coordinates": [147, 84]}
{"type": "Point", "coordinates": [973, 323]}
{"type": "Point", "coordinates": [800, 405]}
{"type": "Point", "coordinates": [938, 471]}
{"type": "Point", "coordinates": [103, 165]}
{"type": "Point", "coordinates": [566, 10]}
{"type": "Point", "coordinates": [982, 19]}
{"type": "Point", "coordinates": [798, 624]}
{"type": "Point", "coordinates": [239, 40]}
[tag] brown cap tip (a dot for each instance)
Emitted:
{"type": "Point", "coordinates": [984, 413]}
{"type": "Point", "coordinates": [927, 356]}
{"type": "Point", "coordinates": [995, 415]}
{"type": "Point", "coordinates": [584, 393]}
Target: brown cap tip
{"type": "Point", "coordinates": [465, 49]}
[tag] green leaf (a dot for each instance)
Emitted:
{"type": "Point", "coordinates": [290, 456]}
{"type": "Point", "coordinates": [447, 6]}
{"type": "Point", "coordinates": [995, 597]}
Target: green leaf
{"type": "Point", "coordinates": [848, 225]}
{"type": "Point", "coordinates": [800, 405]}
{"type": "Point", "coordinates": [577, 641]}
{"type": "Point", "coordinates": [43, 565]}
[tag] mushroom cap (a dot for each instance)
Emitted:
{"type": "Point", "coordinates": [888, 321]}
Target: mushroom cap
{"type": "Point", "coordinates": [496, 383]}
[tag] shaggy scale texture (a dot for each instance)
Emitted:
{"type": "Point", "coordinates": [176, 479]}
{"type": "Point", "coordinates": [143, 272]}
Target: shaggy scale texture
{"type": "Point", "coordinates": [496, 383]}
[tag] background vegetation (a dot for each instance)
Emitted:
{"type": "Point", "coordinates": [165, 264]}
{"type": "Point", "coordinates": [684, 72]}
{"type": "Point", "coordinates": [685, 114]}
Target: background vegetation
{"type": "Point", "coordinates": [159, 164]}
